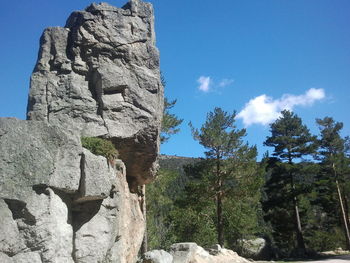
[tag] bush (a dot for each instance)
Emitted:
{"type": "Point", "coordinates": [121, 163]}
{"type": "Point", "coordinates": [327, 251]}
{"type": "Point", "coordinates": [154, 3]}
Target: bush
{"type": "Point", "coordinates": [99, 146]}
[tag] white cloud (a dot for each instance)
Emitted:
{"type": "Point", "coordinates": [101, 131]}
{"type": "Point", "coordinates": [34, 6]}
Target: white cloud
{"type": "Point", "coordinates": [225, 82]}
{"type": "Point", "coordinates": [204, 83]}
{"type": "Point", "coordinates": [264, 109]}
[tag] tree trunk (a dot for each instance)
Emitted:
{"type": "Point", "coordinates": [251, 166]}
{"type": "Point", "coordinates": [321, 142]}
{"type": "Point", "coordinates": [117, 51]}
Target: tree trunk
{"type": "Point", "coordinates": [346, 209]}
{"type": "Point", "coordinates": [299, 232]}
{"type": "Point", "coordinates": [144, 245]}
{"type": "Point", "coordinates": [297, 223]}
{"type": "Point", "coordinates": [344, 216]}
{"type": "Point", "coordinates": [219, 218]}
{"type": "Point", "coordinates": [220, 227]}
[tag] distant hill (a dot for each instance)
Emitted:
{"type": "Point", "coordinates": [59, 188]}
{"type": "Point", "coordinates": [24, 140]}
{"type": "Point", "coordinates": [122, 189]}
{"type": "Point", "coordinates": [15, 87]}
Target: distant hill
{"type": "Point", "coordinates": [176, 163]}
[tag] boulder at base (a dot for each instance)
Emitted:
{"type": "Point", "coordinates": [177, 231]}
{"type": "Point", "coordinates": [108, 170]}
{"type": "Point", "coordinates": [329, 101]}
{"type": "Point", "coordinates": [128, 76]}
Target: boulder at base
{"type": "Point", "coordinates": [192, 253]}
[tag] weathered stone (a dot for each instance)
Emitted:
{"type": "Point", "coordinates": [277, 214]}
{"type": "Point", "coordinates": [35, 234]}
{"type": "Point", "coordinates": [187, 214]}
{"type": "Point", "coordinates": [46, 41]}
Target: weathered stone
{"type": "Point", "coordinates": [5, 258]}
{"type": "Point", "coordinates": [157, 256]}
{"type": "Point", "coordinates": [187, 252]}
{"type": "Point", "coordinates": [115, 225]}
{"type": "Point", "coordinates": [29, 257]}
{"type": "Point", "coordinates": [35, 154]}
{"type": "Point", "coordinates": [192, 253]}
{"type": "Point", "coordinates": [10, 241]}
{"type": "Point", "coordinates": [215, 249]}
{"type": "Point", "coordinates": [41, 225]}
{"type": "Point", "coordinates": [97, 177]}
{"type": "Point", "coordinates": [99, 76]}
{"type": "Point", "coordinates": [57, 222]}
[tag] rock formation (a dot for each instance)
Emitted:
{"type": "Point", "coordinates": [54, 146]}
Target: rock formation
{"type": "Point", "coordinates": [192, 253]}
{"type": "Point", "coordinates": [98, 77]}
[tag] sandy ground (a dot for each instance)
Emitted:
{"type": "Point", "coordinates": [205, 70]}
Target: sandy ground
{"type": "Point", "coordinates": [335, 259]}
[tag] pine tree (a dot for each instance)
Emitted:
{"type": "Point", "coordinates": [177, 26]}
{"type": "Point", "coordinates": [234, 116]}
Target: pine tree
{"type": "Point", "coordinates": [334, 163]}
{"type": "Point", "coordinates": [291, 141]}
{"type": "Point", "coordinates": [170, 122]}
{"type": "Point", "coordinates": [227, 154]}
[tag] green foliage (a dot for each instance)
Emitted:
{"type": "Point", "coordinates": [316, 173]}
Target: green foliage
{"type": "Point", "coordinates": [230, 170]}
{"type": "Point", "coordinates": [100, 146]}
{"type": "Point", "coordinates": [159, 206]}
{"type": "Point", "coordinates": [194, 215]}
{"type": "Point", "coordinates": [290, 138]}
{"type": "Point", "coordinates": [291, 141]}
{"type": "Point", "coordinates": [170, 122]}
{"type": "Point", "coordinates": [219, 135]}
{"type": "Point", "coordinates": [256, 199]}
{"type": "Point", "coordinates": [333, 177]}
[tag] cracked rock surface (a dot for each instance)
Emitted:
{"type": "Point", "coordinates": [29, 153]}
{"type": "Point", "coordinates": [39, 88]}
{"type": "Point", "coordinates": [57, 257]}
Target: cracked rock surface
{"type": "Point", "coordinates": [59, 203]}
{"type": "Point", "coordinates": [99, 76]}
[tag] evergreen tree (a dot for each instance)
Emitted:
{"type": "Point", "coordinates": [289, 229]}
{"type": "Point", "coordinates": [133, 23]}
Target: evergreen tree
{"type": "Point", "coordinates": [159, 205]}
{"type": "Point", "coordinates": [228, 157]}
{"type": "Point", "coordinates": [335, 165]}
{"type": "Point", "coordinates": [292, 142]}
{"type": "Point", "coordinates": [170, 122]}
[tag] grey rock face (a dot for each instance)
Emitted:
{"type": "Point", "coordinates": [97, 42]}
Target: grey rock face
{"type": "Point", "coordinates": [188, 252]}
{"type": "Point", "coordinates": [192, 253]}
{"type": "Point", "coordinates": [99, 76]}
{"type": "Point", "coordinates": [40, 164]}
{"type": "Point", "coordinates": [34, 153]}
{"type": "Point", "coordinates": [157, 256]}
{"type": "Point", "coordinates": [61, 203]}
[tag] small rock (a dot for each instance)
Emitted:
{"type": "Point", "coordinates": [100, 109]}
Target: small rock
{"type": "Point", "coordinates": [157, 256]}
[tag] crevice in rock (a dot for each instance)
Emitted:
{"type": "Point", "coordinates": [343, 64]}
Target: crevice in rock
{"type": "Point", "coordinates": [47, 101]}
{"type": "Point", "coordinates": [73, 23]}
{"type": "Point", "coordinates": [20, 211]}
{"type": "Point", "coordinates": [78, 213]}
{"type": "Point", "coordinates": [112, 192]}
{"type": "Point", "coordinates": [82, 186]}
{"type": "Point", "coordinates": [115, 90]}
{"type": "Point", "coordinates": [95, 87]}
{"type": "Point", "coordinates": [40, 189]}
{"type": "Point", "coordinates": [84, 212]}
{"type": "Point", "coordinates": [137, 155]}
{"type": "Point", "coordinates": [132, 28]}
{"type": "Point", "coordinates": [67, 199]}
{"type": "Point", "coordinates": [130, 43]}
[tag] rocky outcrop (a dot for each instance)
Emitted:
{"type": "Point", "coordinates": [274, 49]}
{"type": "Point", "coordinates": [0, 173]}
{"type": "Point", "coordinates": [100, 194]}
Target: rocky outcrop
{"type": "Point", "coordinates": [157, 256]}
{"type": "Point", "coordinates": [61, 203]}
{"type": "Point", "coordinates": [192, 253]}
{"type": "Point", "coordinates": [99, 77]}
{"type": "Point", "coordinates": [257, 249]}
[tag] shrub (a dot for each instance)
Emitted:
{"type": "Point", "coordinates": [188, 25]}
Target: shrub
{"type": "Point", "coordinates": [100, 146]}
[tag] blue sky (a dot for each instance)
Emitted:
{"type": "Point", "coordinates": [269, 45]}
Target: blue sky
{"type": "Point", "coordinates": [253, 56]}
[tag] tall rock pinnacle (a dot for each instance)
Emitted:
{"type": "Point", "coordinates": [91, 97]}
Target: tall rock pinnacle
{"type": "Point", "coordinates": [99, 76]}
